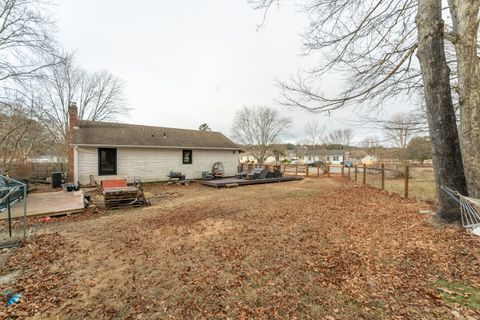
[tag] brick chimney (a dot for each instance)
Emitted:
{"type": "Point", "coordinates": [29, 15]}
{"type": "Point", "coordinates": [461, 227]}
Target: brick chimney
{"type": "Point", "coordinates": [72, 123]}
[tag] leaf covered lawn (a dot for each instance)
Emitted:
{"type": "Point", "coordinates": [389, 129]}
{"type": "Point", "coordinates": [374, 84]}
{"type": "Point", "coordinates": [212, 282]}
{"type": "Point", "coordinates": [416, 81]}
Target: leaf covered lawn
{"type": "Point", "coordinates": [308, 249]}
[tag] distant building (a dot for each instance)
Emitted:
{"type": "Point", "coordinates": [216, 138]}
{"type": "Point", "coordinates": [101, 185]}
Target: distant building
{"type": "Point", "coordinates": [326, 156]}
{"type": "Point", "coordinates": [369, 160]}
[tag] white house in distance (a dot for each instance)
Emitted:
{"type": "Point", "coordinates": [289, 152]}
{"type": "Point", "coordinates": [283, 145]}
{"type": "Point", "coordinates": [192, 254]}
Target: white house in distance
{"type": "Point", "coordinates": [108, 150]}
{"type": "Point", "coordinates": [327, 156]}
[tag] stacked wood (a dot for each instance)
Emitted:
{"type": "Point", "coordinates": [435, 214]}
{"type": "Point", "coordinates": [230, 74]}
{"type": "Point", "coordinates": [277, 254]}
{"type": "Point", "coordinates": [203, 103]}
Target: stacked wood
{"type": "Point", "coordinates": [124, 197]}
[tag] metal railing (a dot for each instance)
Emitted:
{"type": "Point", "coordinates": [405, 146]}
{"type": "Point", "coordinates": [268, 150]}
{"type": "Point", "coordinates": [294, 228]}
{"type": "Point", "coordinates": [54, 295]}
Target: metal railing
{"type": "Point", "coordinates": [11, 192]}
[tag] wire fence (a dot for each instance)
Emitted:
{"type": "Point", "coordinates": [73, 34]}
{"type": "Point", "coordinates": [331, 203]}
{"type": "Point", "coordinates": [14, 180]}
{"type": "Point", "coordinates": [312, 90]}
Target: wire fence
{"type": "Point", "coordinates": [404, 178]}
{"type": "Point", "coordinates": [408, 180]}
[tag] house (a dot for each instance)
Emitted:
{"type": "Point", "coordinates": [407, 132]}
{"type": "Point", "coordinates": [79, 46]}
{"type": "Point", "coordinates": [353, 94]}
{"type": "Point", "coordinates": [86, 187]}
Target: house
{"type": "Point", "coordinates": [115, 150]}
{"type": "Point", "coordinates": [327, 156]}
{"type": "Point", "coordinates": [369, 160]}
{"type": "Point", "coordinates": [246, 157]}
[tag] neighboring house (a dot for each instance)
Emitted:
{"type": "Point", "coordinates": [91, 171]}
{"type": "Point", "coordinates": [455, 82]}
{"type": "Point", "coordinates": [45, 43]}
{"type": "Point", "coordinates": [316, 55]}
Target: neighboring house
{"type": "Point", "coordinates": [46, 159]}
{"type": "Point", "coordinates": [246, 157]}
{"type": "Point", "coordinates": [115, 150]}
{"type": "Point", "coordinates": [334, 156]}
{"type": "Point", "coordinates": [327, 156]}
{"type": "Point", "coordinates": [291, 155]}
{"type": "Point", "coordinates": [369, 160]}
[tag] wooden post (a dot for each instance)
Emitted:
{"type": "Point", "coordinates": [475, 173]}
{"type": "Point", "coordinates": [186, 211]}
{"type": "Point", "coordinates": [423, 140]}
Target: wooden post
{"type": "Point", "coordinates": [306, 171]}
{"type": "Point", "coordinates": [343, 170]}
{"type": "Point", "coordinates": [383, 176]}
{"type": "Point", "coordinates": [284, 168]}
{"type": "Point", "coordinates": [328, 170]}
{"type": "Point", "coordinates": [318, 171]}
{"type": "Point", "coordinates": [407, 173]}
{"type": "Point", "coordinates": [355, 173]}
{"type": "Point", "coordinates": [296, 170]}
{"type": "Point", "coordinates": [348, 173]}
{"type": "Point", "coordinates": [364, 174]}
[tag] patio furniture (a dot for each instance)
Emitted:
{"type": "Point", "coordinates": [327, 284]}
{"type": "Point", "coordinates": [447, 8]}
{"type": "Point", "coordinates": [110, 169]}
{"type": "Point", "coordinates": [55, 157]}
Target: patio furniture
{"type": "Point", "coordinates": [175, 176]}
{"type": "Point", "coordinates": [207, 176]}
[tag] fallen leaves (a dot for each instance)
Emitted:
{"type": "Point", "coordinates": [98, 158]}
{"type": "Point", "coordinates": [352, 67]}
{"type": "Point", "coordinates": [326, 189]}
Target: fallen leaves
{"type": "Point", "coordinates": [307, 249]}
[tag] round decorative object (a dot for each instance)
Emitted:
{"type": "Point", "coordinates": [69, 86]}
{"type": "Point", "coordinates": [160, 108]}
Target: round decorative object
{"type": "Point", "coordinates": [218, 169]}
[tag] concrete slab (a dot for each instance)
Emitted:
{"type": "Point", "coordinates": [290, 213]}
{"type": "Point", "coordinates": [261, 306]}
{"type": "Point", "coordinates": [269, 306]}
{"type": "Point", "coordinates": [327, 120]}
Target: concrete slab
{"type": "Point", "coordinates": [49, 204]}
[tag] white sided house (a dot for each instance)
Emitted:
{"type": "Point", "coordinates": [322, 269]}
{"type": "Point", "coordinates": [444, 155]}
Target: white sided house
{"type": "Point", "coordinates": [108, 150]}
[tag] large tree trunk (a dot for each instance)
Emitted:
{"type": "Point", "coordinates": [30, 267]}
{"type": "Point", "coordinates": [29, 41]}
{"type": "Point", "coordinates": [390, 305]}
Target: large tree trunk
{"type": "Point", "coordinates": [442, 125]}
{"type": "Point", "coordinates": [464, 14]}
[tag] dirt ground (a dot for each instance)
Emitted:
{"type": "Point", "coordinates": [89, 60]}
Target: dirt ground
{"type": "Point", "coordinates": [315, 248]}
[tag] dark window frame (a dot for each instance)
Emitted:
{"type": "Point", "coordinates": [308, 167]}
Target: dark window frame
{"type": "Point", "coordinates": [183, 156]}
{"type": "Point", "coordinates": [100, 171]}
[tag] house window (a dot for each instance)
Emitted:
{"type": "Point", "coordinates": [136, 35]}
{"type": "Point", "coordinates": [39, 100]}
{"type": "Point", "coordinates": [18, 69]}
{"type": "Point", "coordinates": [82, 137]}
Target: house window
{"type": "Point", "coordinates": [107, 162]}
{"type": "Point", "coordinates": [335, 158]}
{"type": "Point", "coordinates": [187, 157]}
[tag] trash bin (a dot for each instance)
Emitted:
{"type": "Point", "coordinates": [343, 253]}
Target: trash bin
{"type": "Point", "coordinates": [57, 179]}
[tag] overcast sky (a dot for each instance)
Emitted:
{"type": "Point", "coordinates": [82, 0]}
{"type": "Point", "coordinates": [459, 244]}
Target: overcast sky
{"type": "Point", "coordinates": [187, 62]}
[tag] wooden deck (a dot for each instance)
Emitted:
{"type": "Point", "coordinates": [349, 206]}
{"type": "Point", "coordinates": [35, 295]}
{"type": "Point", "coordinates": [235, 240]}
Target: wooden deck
{"type": "Point", "coordinates": [219, 183]}
{"type": "Point", "coordinates": [49, 204]}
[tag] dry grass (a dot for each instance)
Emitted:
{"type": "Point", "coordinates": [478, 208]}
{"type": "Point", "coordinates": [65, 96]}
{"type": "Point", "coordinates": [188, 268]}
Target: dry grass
{"type": "Point", "coordinates": [421, 183]}
{"type": "Point", "coordinates": [309, 249]}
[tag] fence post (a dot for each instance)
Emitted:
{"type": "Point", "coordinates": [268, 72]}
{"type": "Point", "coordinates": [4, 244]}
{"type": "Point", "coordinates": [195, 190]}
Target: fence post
{"type": "Point", "coordinates": [328, 170]}
{"type": "Point", "coordinates": [306, 171]}
{"type": "Point", "coordinates": [355, 173]}
{"type": "Point", "coordinates": [407, 173]}
{"type": "Point", "coordinates": [296, 170]}
{"type": "Point", "coordinates": [364, 174]}
{"type": "Point", "coordinates": [348, 173]}
{"type": "Point", "coordinates": [383, 176]}
{"type": "Point", "coordinates": [343, 171]}
{"type": "Point", "coordinates": [318, 171]}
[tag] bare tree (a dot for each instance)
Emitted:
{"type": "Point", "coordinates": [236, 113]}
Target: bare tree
{"type": "Point", "coordinates": [370, 144]}
{"type": "Point", "coordinates": [314, 132]}
{"type": "Point", "coordinates": [21, 135]}
{"type": "Point", "coordinates": [377, 48]}
{"type": "Point", "coordinates": [26, 40]}
{"type": "Point", "coordinates": [447, 157]}
{"type": "Point", "coordinates": [341, 136]}
{"type": "Point", "coordinates": [257, 129]}
{"type": "Point", "coordinates": [401, 128]}
{"type": "Point", "coordinates": [99, 96]}
{"type": "Point", "coordinates": [463, 34]}
{"type": "Point", "coordinates": [372, 42]}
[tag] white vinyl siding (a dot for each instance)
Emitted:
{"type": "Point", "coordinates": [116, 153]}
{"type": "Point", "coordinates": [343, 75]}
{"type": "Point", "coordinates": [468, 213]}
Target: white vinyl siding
{"type": "Point", "coordinates": [154, 164]}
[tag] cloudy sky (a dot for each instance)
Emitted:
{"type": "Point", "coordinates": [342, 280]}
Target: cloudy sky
{"type": "Point", "coordinates": [187, 62]}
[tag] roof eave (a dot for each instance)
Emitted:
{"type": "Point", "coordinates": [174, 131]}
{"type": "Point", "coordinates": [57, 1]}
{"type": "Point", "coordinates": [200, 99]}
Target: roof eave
{"type": "Point", "coordinates": [153, 147]}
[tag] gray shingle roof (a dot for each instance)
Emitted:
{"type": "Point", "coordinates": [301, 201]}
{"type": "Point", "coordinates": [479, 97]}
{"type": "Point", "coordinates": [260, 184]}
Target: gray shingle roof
{"type": "Point", "coordinates": [325, 152]}
{"type": "Point", "coordinates": [121, 134]}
